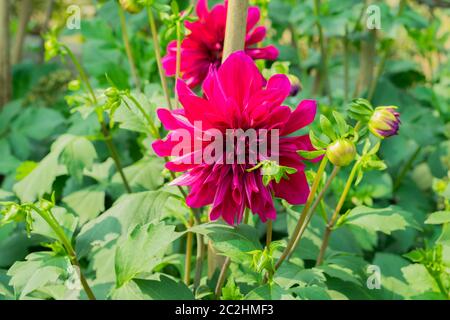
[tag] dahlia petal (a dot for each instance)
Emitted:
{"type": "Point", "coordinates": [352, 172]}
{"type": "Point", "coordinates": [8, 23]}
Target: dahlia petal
{"type": "Point", "coordinates": [255, 36]}
{"type": "Point", "coordinates": [252, 17]}
{"type": "Point", "coordinates": [269, 53]}
{"type": "Point", "coordinates": [202, 9]}
{"type": "Point", "coordinates": [300, 117]}
{"type": "Point", "coordinates": [172, 121]}
{"type": "Point", "coordinates": [282, 85]}
{"type": "Point", "coordinates": [195, 107]}
{"type": "Point", "coordinates": [169, 60]}
{"type": "Point", "coordinates": [240, 77]}
{"type": "Point", "coordinates": [295, 190]}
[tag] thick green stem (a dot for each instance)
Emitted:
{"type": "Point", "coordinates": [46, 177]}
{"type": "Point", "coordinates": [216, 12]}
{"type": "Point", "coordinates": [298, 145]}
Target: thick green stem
{"type": "Point", "coordinates": [154, 32]}
{"type": "Point", "coordinates": [126, 43]}
{"type": "Point", "coordinates": [236, 25]}
{"type": "Point", "coordinates": [314, 206]}
{"type": "Point", "coordinates": [305, 210]}
{"type": "Point", "coordinates": [53, 223]}
{"type": "Point", "coordinates": [105, 132]}
{"type": "Point", "coordinates": [332, 221]}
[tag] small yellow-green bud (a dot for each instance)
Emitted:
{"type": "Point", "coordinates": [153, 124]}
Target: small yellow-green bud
{"type": "Point", "coordinates": [341, 152]}
{"type": "Point", "coordinates": [74, 85]}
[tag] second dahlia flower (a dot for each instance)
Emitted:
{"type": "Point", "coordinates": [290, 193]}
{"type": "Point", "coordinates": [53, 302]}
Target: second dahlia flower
{"type": "Point", "coordinates": [236, 97]}
{"type": "Point", "coordinates": [203, 46]}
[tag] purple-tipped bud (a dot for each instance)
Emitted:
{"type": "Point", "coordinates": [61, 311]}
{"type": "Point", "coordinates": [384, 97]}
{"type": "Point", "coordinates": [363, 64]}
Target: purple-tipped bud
{"type": "Point", "coordinates": [296, 85]}
{"type": "Point", "coordinates": [384, 122]}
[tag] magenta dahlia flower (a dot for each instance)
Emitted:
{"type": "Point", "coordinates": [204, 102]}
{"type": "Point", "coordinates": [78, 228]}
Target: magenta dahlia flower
{"type": "Point", "coordinates": [236, 97]}
{"type": "Point", "coordinates": [203, 47]}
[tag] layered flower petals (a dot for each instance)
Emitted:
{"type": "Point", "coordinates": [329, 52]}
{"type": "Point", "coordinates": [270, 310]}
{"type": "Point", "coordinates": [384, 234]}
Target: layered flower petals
{"type": "Point", "coordinates": [202, 48]}
{"type": "Point", "coordinates": [236, 99]}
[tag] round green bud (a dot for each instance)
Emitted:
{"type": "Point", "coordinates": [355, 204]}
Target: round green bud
{"type": "Point", "coordinates": [74, 85]}
{"type": "Point", "coordinates": [341, 152]}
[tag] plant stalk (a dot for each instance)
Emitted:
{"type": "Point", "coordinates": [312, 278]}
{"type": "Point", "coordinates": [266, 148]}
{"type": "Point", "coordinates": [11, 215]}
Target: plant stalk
{"type": "Point", "coordinates": [187, 262]}
{"type": "Point", "coordinates": [314, 206]}
{"type": "Point", "coordinates": [222, 276]}
{"type": "Point", "coordinates": [106, 135]}
{"type": "Point", "coordinates": [332, 221]}
{"type": "Point", "coordinates": [53, 223]}
{"type": "Point", "coordinates": [154, 32]}
{"type": "Point", "coordinates": [269, 225]}
{"type": "Point", "coordinates": [178, 60]}
{"type": "Point", "coordinates": [304, 212]}
{"type": "Point", "coordinates": [128, 51]}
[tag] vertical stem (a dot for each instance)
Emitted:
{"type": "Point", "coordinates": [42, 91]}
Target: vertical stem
{"type": "Point", "coordinates": [53, 223]}
{"type": "Point", "coordinates": [24, 17]}
{"type": "Point", "coordinates": [236, 27]}
{"type": "Point", "coordinates": [105, 132]}
{"type": "Point", "coordinates": [346, 64]}
{"type": "Point", "coordinates": [199, 260]}
{"type": "Point", "coordinates": [5, 65]}
{"type": "Point", "coordinates": [302, 217]}
{"type": "Point", "coordinates": [187, 262]}
{"type": "Point", "coordinates": [154, 32]}
{"type": "Point", "coordinates": [335, 215]}
{"type": "Point", "coordinates": [324, 80]}
{"type": "Point", "coordinates": [221, 279]}
{"type": "Point", "coordinates": [126, 42]}
{"type": "Point", "coordinates": [314, 206]}
{"type": "Point", "coordinates": [178, 60]}
{"type": "Point", "coordinates": [269, 225]}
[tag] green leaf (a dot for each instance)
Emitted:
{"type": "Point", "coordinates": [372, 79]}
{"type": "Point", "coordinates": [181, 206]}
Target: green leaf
{"type": "Point", "coordinates": [267, 292]}
{"type": "Point", "coordinates": [141, 250]}
{"type": "Point", "coordinates": [39, 181]}
{"type": "Point", "coordinates": [438, 217]}
{"type": "Point", "coordinates": [311, 154]}
{"type": "Point", "coordinates": [144, 174]}
{"type": "Point", "coordinates": [127, 212]}
{"type": "Point", "coordinates": [341, 124]}
{"type": "Point", "coordinates": [233, 242]}
{"type": "Point", "coordinates": [78, 154]}
{"type": "Point", "coordinates": [164, 289]}
{"type": "Point", "coordinates": [311, 293]}
{"type": "Point", "coordinates": [373, 220]}
{"type": "Point", "coordinates": [39, 270]}
{"type": "Point", "coordinates": [290, 274]}
{"type": "Point", "coordinates": [419, 278]}
{"type": "Point", "coordinates": [86, 203]}
{"type": "Point", "coordinates": [327, 127]}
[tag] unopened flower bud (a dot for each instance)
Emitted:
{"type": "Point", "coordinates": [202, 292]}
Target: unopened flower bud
{"type": "Point", "coordinates": [384, 122]}
{"type": "Point", "coordinates": [341, 152]}
{"type": "Point", "coordinates": [74, 85]}
{"type": "Point", "coordinates": [296, 85]}
{"type": "Point", "coordinates": [112, 92]}
{"type": "Point", "coordinates": [131, 6]}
